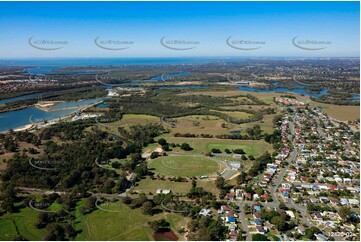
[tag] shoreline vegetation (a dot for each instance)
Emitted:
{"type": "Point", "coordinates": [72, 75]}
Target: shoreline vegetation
{"type": "Point", "coordinates": [47, 107]}
{"type": "Point", "coordinates": [186, 147]}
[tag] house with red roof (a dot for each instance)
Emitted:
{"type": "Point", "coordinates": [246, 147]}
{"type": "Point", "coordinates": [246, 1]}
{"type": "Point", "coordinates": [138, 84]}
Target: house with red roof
{"type": "Point", "coordinates": [248, 195]}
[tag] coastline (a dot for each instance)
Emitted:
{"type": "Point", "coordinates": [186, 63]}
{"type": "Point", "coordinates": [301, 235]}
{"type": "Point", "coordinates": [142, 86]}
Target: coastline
{"type": "Point", "coordinates": [50, 122]}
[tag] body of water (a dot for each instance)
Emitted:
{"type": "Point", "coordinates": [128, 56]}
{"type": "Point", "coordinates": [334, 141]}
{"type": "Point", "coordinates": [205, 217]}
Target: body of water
{"type": "Point", "coordinates": [102, 105]}
{"type": "Point", "coordinates": [23, 117]}
{"type": "Point", "coordinates": [158, 78]}
{"type": "Point", "coordinates": [299, 89]}
{"type": "Point", "coordinates": [48, 65]}
{"type": "Point", "coordinates": [24, 97]}
{"type": "Point", "coordinates": [282, 89]}
{"type": "Point", "coordinates": [168, 76]}
{"type": "Point", "coordinates": [20, 118]}
{"type": "Point", "coordinates": [354, 98]}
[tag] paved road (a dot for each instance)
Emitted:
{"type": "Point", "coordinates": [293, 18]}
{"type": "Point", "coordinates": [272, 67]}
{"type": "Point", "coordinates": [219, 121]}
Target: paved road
{"type": "Point", "coordinates": [319, 129]}
{"type": "Point", "coordinates": [41, 191]}
{"type": "Point", "coordinates": [277, 182]}
{"type": "Point", "coordinates": [243, 220]}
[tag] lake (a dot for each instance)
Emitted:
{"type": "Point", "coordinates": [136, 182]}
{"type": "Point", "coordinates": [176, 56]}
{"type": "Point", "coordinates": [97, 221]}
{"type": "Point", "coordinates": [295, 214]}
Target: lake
{"type": "Point", "coordinates": [298, 90]}
{"type": "Point", "coordinates": [283, 89]}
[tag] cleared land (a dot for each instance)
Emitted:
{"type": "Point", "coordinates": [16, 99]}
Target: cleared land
{"type": "Point", "coordinates": [219, 93]}
{"type": "Point", "coordinates": [184, 166]}
{"type": "Point", "coordinates": [21, 223]}
{"type": "Point", "coordinates": [123, 223]}
{"type": "Point", "coordinates": [7, 230]}
{"type": "Point", "coordinates": [150, 186]}
{"type": "Point", "coordinates": [204, 145]}
{"type": "Point", "coordinates": [238, 115]}
{"type": "Point", "coordinates": [199, 124]}
{"type": "Point", "coordinates": [342, 113]}
{"type": "Point", "coordinates": [129, 120]}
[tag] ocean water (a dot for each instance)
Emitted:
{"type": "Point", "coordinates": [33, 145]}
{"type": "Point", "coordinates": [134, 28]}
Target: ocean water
{"type": "Point", "coordinates": [47, 65]}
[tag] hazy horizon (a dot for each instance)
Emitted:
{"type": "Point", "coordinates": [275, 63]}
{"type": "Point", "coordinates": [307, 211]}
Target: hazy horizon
{"type": "Point", "coordinates": [179, 29]}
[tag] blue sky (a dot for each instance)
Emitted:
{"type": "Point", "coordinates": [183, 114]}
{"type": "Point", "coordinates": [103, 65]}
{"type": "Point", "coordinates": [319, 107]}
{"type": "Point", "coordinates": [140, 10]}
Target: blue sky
{"type": "Point", "coordinates": [208, 23]}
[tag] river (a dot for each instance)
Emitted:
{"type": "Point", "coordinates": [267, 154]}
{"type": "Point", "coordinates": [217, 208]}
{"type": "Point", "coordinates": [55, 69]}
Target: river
{"type": "Point", "coordinates": [21, 118]}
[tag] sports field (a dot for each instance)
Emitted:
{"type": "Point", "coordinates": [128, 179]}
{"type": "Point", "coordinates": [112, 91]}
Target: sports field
{"type": "Point", "coordinates": [184, 165]}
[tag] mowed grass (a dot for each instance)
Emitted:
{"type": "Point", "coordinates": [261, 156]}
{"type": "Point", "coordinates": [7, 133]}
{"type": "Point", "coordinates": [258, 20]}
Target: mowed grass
{"type": "Point", "coordinates": [134, 119]}
{"type": "Point", "coordinates": [24, 222]}
{"type": "Point", "coordinates": [116, 225]}
{"type": "Point", "coordinates": [184, 166]}
{"type": "Point", "coordinates": [150, 186]}
{"type": "Point", "coordinates": [7, 230]}
{"type": "Point", "coordinates": [251, 147]}
{"type": "Point", "coordinates": [122, 223]}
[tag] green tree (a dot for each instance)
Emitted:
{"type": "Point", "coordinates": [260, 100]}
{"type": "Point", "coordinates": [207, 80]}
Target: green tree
{"type": "Point", "coordinates": [259, 237]}
{"type": "Point", "coordinates": [147, 208]}
{"type": "Point", "coordinates": [220, 182]}
{"type": "Point", "coordinates": [239, 151]}
{"type": "Point", "coordinates": [310, 232]}
{"type": "Point", "coordinates": [154, 155]}
{"type": "Point", "coordinates": [186, 147]}
{"type": "Point", "coordinates": [345, 213]}
{"type": "Point", "coordinates": [54, 232]}
{"type": "Point", "coordinates": [241, 178]}
{"type": "Point", "coordinates": [162, 141]}
{"type": "Point", "coordinates": [279, 222]}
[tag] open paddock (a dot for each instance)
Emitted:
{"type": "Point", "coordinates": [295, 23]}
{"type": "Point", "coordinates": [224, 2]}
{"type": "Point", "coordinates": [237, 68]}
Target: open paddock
{"type": "Point", "coordinates": [204, 145]}
{"type": "Point", "coordinates": [184, 166]}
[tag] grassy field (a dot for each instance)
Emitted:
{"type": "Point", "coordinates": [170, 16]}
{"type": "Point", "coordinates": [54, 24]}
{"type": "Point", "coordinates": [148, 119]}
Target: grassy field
{"type": "Point", "coordinates": [238, 115]}
{"type": "Point", "coordinates": [7, 229]}
{"type": "Point", "coordinates": [199, 124]}
{"type": "Point", "coordinates": [128, 120]}
{"type": "Point", "coordinates": [184, 166]}
{"type": "Point", "coordinates": [240, 107]}
{"type": "Point", "coordinates": [227, 93]}
{"type": "Point", "coordinates": [200, 145]}
{"type": "Point", "coordinates": [133, 119]}
{"type": "Point", "coordinates": [123, 223]}
{"type": "Point", "coordinates": [342, 113]}
{"type": "Point", "coordinates": [266, 124]}
{"type": "Point", "coordinates": [21, 223]}
{"type": "Point", "coordinates": [150, 186]}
